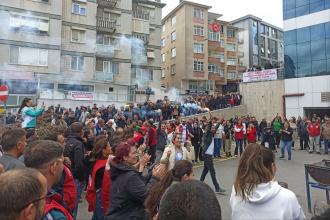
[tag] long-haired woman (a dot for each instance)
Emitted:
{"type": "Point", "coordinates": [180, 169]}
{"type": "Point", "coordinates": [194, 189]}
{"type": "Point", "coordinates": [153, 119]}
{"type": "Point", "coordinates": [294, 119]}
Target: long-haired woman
{"type": "Point", "coordinates": [29, 113]}
{"type": "Point", "coordinates": [256, 194]}
{"type": "Point", "coordinates": [286, 140]}
{"type": "Point", "coordinates": [182, 171]}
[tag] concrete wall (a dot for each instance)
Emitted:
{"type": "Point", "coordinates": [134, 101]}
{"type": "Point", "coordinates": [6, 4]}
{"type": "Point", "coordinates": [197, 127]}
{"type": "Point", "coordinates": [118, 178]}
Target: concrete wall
{"type": "Point", "coordinates": [263, 99]}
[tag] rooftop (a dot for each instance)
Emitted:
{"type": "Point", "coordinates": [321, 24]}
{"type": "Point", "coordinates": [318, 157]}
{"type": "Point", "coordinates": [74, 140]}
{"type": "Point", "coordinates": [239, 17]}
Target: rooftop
{"type": "Point", "coordinates": [249, 16]}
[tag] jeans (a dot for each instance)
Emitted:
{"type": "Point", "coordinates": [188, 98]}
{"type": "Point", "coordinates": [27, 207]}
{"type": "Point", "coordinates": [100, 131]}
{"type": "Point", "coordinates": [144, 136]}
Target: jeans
{"type": "Point", "coordinates": [208, 166]}
{"type": "Point", "coordinates": [198, 152]}
{"type": "Point", "coordinates": [98, 214]}
{"type": "Point", "coordinates": [239, 144]}
{"type": "Point", "coordinates": [326, 145]}
{"type": "Point", "coordinates": [217, 147]}
{"type": "Point", "coordinates": [286, 145]}
{"type": "Point", "coordinates": [79, 188]}
{"type": "Point", "coordinates": [316, 142]}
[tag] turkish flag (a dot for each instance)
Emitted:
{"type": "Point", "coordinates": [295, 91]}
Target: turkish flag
{"type": "Point", "coordinates": [4, 90]}
{"type": "Point", "coordinates": [215, 27]}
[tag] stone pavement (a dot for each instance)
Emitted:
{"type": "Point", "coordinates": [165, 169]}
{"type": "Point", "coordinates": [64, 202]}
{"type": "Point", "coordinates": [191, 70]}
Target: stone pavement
{"type": "Point", "coordinates": [292, 172]}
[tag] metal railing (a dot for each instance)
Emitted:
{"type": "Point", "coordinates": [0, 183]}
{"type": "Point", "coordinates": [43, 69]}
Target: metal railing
{"type": "Point", "coordinates": [106, 23]}
{"type": "Point", "coordinates": [110, 3]}
{"type": "Point", "coordinates": [141, 15]}
{"type": "Point", "coordinates": [105, 50]}
{"type": "Point", "coordinates": [103, 76]}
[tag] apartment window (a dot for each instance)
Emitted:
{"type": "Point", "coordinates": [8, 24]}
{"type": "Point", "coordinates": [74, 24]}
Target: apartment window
{"type": "Point", "coordinates": [28, 23]}
{"type": "Point", "coordinates": [199, 13]}
{"type": "Point", "coordinates": [173, 20]}
{"type": "Point", "coordinates": [230, 33]}
{"type": "Point", "coordinates": [173, 69]}
{"type": "Point", "coordinates": [163, 57]}
{"type": "Point", "coordinates": [222, 29]}
{"type": "Point", "coordinates": [173, 52]}
{"type": "Point", "coordinates": [198, 48]}
{"type": "Point", "coordinates": [142, 75]}
{"type": "Point", "coordinates": [173, 36]}
{"type": "Point", "coordinates": [77, 63]}
{"type": "Point", "coordinates": [199, 31]}
{"type": "Point", "coordinates": [162, 42]}
{"type": "Point", "coordinates": [231, 75]}
{"type": "Point", "coordinates": [212, 68]}
{"type": "Point", "coordinates": [107, 67]}
{"type": "Point", "coordinates": [192, 85]}
{"type": "Point", "coordinates": [28, 56]}
{"type": "Point", "coordinates": [231, 47]}
{"type": "Point", "coordinates": [214, 36]}
{"type": "Point", "coordinates": [198, 66]}
{"type": "Point", "coordinates": [222, 43]}
{"type": "Point", "coordinates": [77, 35]}
{"type": "Point", "coordinates": [78, 9]}
{"type": "Point", "coordinates": [231, 61]}
{"type": "Point", "coordinates": [163, 73]}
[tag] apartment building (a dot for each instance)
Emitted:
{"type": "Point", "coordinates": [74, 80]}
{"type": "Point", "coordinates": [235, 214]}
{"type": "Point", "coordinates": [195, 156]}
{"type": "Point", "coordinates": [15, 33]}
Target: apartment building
{"type": "Point", "coordinates": [78, 50]}
{"type": "Point", "coordinates": [260, 43]}
{"type": "Point", "coordinates": [195, 58]}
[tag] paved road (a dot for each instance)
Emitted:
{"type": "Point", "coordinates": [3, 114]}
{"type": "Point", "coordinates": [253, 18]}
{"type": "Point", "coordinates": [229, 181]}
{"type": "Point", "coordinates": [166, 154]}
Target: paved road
{"type": "Point", "coordinates": [291, 172]}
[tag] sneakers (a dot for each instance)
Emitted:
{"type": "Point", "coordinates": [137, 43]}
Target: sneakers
{"type": "Point", "coordinates": [281, 158]}
{"type": "Point", "coordinates": [220, 191]}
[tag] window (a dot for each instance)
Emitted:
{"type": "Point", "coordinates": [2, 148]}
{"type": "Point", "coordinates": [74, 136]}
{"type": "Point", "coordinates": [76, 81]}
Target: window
{"type": "Point", "coordinates": [290, 37]}
{"type": "Point", "coordinates": [77, 63]}
{"type": "Point", "coordinates": [222, 43]}
{"type": "Point", "coordinates": [198, 48]}
{"type": "Point", "coordinates": [28, 56]}
{"type": "Point", "coordinates": [173, 36]}
{"type": "Point", "coordinates": [70, 87]}
{"type": "Point", "coordinates": [78, 9]}
{"type": "Point", "coordinates": [303, 35]}
{"type": "Point", "coordinates": [231, 61]}
{"type": "Point", "coordinates": [231, 47]}
{"type": "Point", "coordinates": [107, 67]}
{"type": "Point", "coordinates": [173, 69]}
{"type": "Point", "coordinates": [262, 29]}
{"type": "Point", "coordinates": [28, 23]}
{"type": "Point", "coordinates": [163, 57]}
{"type": "Point", "coordinates": [163, 73]}
{"type": "Point", "coordinates": [142, 75]}
{"type": "Point", "coordinates": [198, 66]}
{"type": "Point", "coordinates": [214, 36]}
{"type": "Point", "coordinates": [77, 36]}
{"type": "Point", "coordinates": [198, 13]}
{"type": "Point", "coordinates": [162, 42]}
{"type": "Point", "coordinates": [231, 75]}
{"type": "Point", "coordinates": [222, 29]}
{"type": "Point", "coordinates": [317, 32]}
{"type": "Point", "coordinates": [199, 31]}
{"type": "Point", "coordinates": [192, 85]}
{"type": "Point", "coordinates": [173, 20]}
{"type": "Point", "coordinates": [230, 33]}
{"type": "Point", "coordinates": [212, 68]}
{"type": "Point", "coordinates": [173, 52]}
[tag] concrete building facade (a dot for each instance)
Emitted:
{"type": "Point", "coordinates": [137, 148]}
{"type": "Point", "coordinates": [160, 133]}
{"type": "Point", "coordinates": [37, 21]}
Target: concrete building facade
{"type": "Point", "coordinates": [307, 57]}
{"type": "Point", "coordinates": [101, 51]}
{"type": "Point", "coordinates": [195, 59]}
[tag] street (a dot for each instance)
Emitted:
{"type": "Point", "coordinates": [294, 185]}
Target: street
{"type": "Point", "coordinates": [291, 172]}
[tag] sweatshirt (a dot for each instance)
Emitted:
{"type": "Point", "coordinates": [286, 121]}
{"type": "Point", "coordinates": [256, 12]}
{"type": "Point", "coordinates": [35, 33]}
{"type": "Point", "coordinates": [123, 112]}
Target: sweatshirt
{"type": "Point", "coordinates": [29, 115]}
{"type": "Point", "coordinates": [267, 201]}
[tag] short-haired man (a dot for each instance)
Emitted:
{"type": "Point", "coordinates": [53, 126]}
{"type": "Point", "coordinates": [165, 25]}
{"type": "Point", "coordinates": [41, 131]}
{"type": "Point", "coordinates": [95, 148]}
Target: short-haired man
{"type": "Point", "coordinates": [47, 157]}
{"type": "Point", "coordinates": [23, 193]}
{"type": "Point", "coordinates": [13, 143]}
{"type": "Point", "coordinates": [199, 199]}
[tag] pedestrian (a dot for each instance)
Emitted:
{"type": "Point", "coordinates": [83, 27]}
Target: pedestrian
{"type": "Point", "coordinates": [286, 140]}
{"type": "Point", "coordinates": [303, 134]}
{"type": "Point", "coordinates": [208, 150]}
{"type": "Point", "coordinates": [23, 193]}
{"type": "Point", "coordinates": [326, 134]}
{"type": "Point", "coordinates": [175, 152]}
{"type": "Point", "coordinates": [293, 125]}
{"type": "Point", "coordinates": [268, 137]}
{"type": "Point", "coordinates": [255, 192]}
{"type": "Point", "coordinates": [229, 131]}
{"type": "Point", "coordinates": [13, 143]}
{"type": "Point", "coordinates": [239, 137]}
{"type": "Point", "coordinates": [182, 171]}
{"type": "Point", "coordinates": [218, 139]}
{"type": "Point", "coordinates": [161, 140]}
{"type": "Point", "coordinates": [196, 139]}
{"type": "Point", "coordinates": [251, 134]}
{"type": "Point", "coordinates": [83, 115]}
{"type": "Point", "coordinates": [262, 126]}
{"type": "Point", "coordinates": [314, 132]}
{"type": "Point", "coordinates": [151, 140]}
{"type": "Point", "coordinates": [277, 125]}
{"type": "Point", "coordinates": [29, 113]}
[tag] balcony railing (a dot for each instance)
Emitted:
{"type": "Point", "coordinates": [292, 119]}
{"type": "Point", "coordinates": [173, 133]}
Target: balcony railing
{"type": "Point", "coordinates": [107, 3]}
{"type": "Point", "coordinates": [105, 24]}
{"type": "Point", "coordinates": [141, 15]}
{"type": "Point", "coordinates": [105, 50]}
{"type": "Point", "coordinates": [103, 76]}
{"type": "Point", "coordinates": [139, 59]}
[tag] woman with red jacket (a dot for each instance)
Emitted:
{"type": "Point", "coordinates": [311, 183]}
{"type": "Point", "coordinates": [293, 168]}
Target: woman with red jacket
{"type": "Point", "coordinates": [239, 137]}
{"type": "Point", "coordinates": [251, 133]}
{"type": "Point", "coordinates": [100, 154]}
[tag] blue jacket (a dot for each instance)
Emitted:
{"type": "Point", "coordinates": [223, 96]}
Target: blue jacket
{"type": "Point", "coordinates": [29, 115]}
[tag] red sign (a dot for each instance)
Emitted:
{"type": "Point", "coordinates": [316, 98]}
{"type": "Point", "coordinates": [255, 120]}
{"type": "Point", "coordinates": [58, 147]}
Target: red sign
{"type": "Point", "coordinates": [82, 96]}
{"type": "Point", "coordinates": [4, 90]}
{"type": "Point", "coordinates": [215, 27]}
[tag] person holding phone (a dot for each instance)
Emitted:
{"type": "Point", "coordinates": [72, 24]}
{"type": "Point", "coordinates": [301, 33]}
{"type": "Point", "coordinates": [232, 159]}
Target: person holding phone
{"type": "Point", "coordinates": [29, 113]}
{"type": "Point", "coordinates": [286, 140]}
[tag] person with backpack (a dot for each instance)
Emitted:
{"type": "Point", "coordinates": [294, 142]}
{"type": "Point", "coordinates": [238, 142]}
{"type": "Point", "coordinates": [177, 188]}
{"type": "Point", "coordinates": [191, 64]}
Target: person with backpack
{"type": "Point", "coordinates": [74, 149]}
{"type": "Point", "coordinates": [99, 157]}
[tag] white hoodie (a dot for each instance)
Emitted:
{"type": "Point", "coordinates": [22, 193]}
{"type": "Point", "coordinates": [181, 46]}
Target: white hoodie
{"type": "Point", "coordinates": [268, 201]}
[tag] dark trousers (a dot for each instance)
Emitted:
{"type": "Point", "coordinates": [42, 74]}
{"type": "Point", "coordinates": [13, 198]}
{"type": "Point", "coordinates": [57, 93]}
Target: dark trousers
{"type": "Point", "coordinates": [152, 153]}
{"type": "Point", "coordinates": [277, 138]}
{"type": "Point", "coordinates": [303, 142]}
{"type": "Point", "coordinates": [208, 166]}
{"type": "Point", "coordinates": [198, 152]}
{"type": "Point", "coordinates": [239, 145]}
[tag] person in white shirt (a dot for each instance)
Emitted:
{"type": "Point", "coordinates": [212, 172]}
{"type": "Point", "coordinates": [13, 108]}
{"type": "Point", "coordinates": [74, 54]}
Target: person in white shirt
{"type": "Point", "coordinates": [218, 139]}
{"type": "Point", "coordinates": [256, 194]}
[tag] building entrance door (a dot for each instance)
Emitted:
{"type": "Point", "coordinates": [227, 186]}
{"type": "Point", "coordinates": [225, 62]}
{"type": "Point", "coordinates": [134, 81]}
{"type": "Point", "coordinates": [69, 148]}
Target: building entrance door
{"type": "Point", "coordinates": [320, 112]}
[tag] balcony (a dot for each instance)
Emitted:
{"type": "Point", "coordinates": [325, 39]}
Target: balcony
{"type": "Point", "coordinates": [107, 3]}
{"type": "Point", "coordinates": [141, 15]}
{"type": "Point", "coordinates": [139, 59]}
{"type": "Point", "coordinates": [107, 51]}
{"type": "Point", "coordinates": [102, 76]}
{"type": "Point", "coordinates": [105, 24]}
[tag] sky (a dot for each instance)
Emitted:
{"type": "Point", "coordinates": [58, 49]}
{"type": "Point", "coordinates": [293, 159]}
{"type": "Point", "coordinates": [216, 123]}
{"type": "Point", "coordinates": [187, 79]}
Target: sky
{"type": "Point", "coordinates": [268, 10]}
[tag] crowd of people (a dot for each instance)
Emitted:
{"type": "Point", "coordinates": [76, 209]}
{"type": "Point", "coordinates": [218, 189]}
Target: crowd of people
{"type": "Point", "coordinates": [134, 168]}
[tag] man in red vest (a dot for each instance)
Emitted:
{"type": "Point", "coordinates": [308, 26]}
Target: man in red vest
{"type": "Point", "coordinates": [314, 132]}
{"type": "Point", "coordinates": [151, 140]}
{"type": "Point", "coordinates": [47, 157]}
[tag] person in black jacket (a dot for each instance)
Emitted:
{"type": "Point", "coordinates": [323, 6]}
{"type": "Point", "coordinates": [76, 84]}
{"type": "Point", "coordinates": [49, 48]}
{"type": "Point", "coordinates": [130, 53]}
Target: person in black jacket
{"type": "Point", "coordinates": [161, 140]}
{"type": "Point", "coordinates": [268, 137]}
{"type": "Point", "coordinates": [74, 149]}
{"type": "Point", "coordinates": [128, 187]}
{"type": "Point", "coordinates": [196, 139]}
{"type": "Point", "coordinates": [286, 139]}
